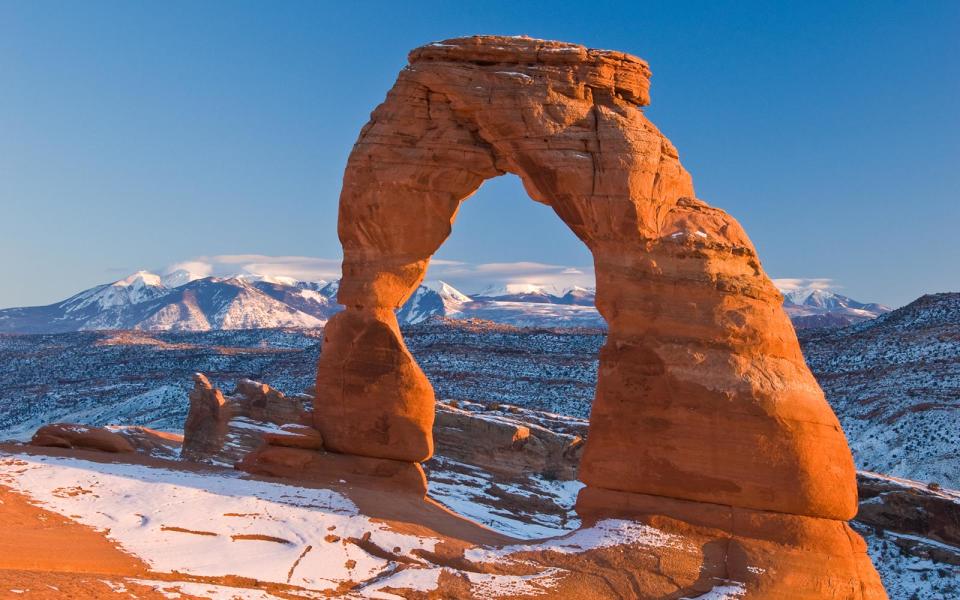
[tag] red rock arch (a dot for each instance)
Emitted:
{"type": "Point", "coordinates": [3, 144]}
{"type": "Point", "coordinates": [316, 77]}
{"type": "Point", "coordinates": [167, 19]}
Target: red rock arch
{"type": "Point", "coordinates": [703, 394]}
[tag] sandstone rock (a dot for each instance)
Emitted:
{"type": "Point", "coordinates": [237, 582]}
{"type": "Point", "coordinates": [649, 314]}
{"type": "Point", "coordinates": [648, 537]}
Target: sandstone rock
{"type": "Point", "coordinates": [896, 506]}
{"type": "Point", "coordinates": [205, 429]}
{"type": "Point", "coordinates": [703, 395]}
{"type": "Point", "coordinates": [159, 444]}
{"type": "Point", "coordinates": [260, 402]}
{"type": "Point", "coordinates": [295, 436]}
{"type": "Point", "coordinates": [223, 429]}
{"type": "Point", "coordinates": [71, 435]}
{"type": "Point", "coordinates": [776, 556]}
{"type": "Point", "coordinates": [372, 398]}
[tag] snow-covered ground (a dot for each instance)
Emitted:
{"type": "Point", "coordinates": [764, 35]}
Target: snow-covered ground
{"type": "Point", "coordinates": [218, 524]}
{"type": "Point", "coordinates": [894, 382]}
{"type": "Point", "coordinates": [213, 524]}
{"type": "Point", "coordinates": [908, 577]}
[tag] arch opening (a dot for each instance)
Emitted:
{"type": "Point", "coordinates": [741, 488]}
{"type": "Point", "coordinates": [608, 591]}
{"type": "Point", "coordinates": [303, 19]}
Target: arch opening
{"type": "Point", "coordinates": [512, 401]}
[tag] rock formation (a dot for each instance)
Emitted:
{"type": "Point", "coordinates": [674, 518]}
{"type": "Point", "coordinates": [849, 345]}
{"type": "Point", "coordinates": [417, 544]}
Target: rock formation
{"type": "Point", "coordinates": [205, 429]}
{"type": "Point", "coordinates": [505, 446]}
{"type": "Point", "coordinates": [72, 435]}
{"type": "Point", "coordinates": [704, 407]}
{"type": "Point", "coordinates": [922, 521]}
{"type": "Point", "coordinates": [224, 429]}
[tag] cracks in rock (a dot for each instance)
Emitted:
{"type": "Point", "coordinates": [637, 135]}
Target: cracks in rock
{"type": "Point", "coordinates": [593, 155]}
{"type": "Point", "coordinates": [471, 128]}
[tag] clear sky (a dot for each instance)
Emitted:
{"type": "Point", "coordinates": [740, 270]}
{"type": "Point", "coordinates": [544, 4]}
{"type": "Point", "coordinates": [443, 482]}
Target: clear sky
{"type": "Point", "coordinates": [134, 135]}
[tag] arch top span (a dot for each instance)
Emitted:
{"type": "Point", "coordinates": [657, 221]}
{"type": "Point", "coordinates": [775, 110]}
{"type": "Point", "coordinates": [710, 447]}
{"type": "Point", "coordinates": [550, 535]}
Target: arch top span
{"type": "Point", "coordinates": [703, 394]}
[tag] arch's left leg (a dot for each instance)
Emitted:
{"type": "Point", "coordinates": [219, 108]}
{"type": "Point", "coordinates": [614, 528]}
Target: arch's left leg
{"type": "Point", "coordinates": [404, 182]}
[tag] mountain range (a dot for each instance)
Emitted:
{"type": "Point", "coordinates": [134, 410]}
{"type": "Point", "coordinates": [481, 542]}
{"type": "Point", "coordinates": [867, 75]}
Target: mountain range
{"type": "Point", "coordinates": [181, 301]}
{"type": "Point", "coordinates": [814, 308]}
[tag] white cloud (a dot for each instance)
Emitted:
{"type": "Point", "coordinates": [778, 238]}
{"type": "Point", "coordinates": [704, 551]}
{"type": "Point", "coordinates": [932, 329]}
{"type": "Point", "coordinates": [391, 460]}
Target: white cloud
{"type": "Point", "coordinates": [467, 276]}
{"type": "Point", "coordinates": [791, 284]}
{"type": "Point", "coordinates": [301, 268]}
{"type": "Point", "coordinates": [472, 278]}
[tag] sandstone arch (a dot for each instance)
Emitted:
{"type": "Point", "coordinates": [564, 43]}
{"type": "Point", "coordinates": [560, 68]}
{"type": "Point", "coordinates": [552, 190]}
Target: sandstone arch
{"type": "Point", "coordinates": [703, 394]}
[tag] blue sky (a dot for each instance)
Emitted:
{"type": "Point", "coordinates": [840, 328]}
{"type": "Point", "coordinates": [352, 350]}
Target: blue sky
{"type": "Point", "coordinates": [134, 135]}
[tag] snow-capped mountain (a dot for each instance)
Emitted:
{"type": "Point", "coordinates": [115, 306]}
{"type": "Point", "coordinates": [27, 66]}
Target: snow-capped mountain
{"type": "Point", "coordinates": [811, 308]}
{"type": "Point", "coordinates": [186, 300]}
{"type": "Point", "coordinates": [578, 296]}
{"type": "Point", "coordinates": [521, 305]}
{"type": "Point", "coordinates": [143, 301]}
{"type": "Point", "coordinates": [433, 298]}
{"type": "Point", "coordinates": [521, 292]}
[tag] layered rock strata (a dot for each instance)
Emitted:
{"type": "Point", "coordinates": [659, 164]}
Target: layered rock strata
{"type": "Point", "coordinates": [703, 395]}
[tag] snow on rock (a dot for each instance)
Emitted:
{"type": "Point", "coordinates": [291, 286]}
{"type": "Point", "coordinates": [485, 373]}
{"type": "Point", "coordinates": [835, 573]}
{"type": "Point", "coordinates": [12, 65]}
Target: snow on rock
{"type": "Point", "coordinates": [472, 492]}
{"type": "Point", "coordinates": [217, 524]}
{"type": "Point", "coordinates": [732, 591]}
{"type": "Point", "coordinates": [606, 533]}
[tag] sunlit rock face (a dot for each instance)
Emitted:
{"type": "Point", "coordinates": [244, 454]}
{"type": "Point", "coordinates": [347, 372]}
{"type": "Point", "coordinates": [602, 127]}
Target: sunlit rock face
{"type": "Point", "coordinates": [703, 395]}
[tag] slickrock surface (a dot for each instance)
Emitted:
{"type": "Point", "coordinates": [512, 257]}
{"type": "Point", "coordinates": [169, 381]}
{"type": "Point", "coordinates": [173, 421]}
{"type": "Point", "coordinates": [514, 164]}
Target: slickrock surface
{"type": "Point", "coordinates": [703, 394]}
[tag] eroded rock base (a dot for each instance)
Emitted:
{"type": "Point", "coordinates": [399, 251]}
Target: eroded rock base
{"type": "Point", "coordinates": [802, 557]}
